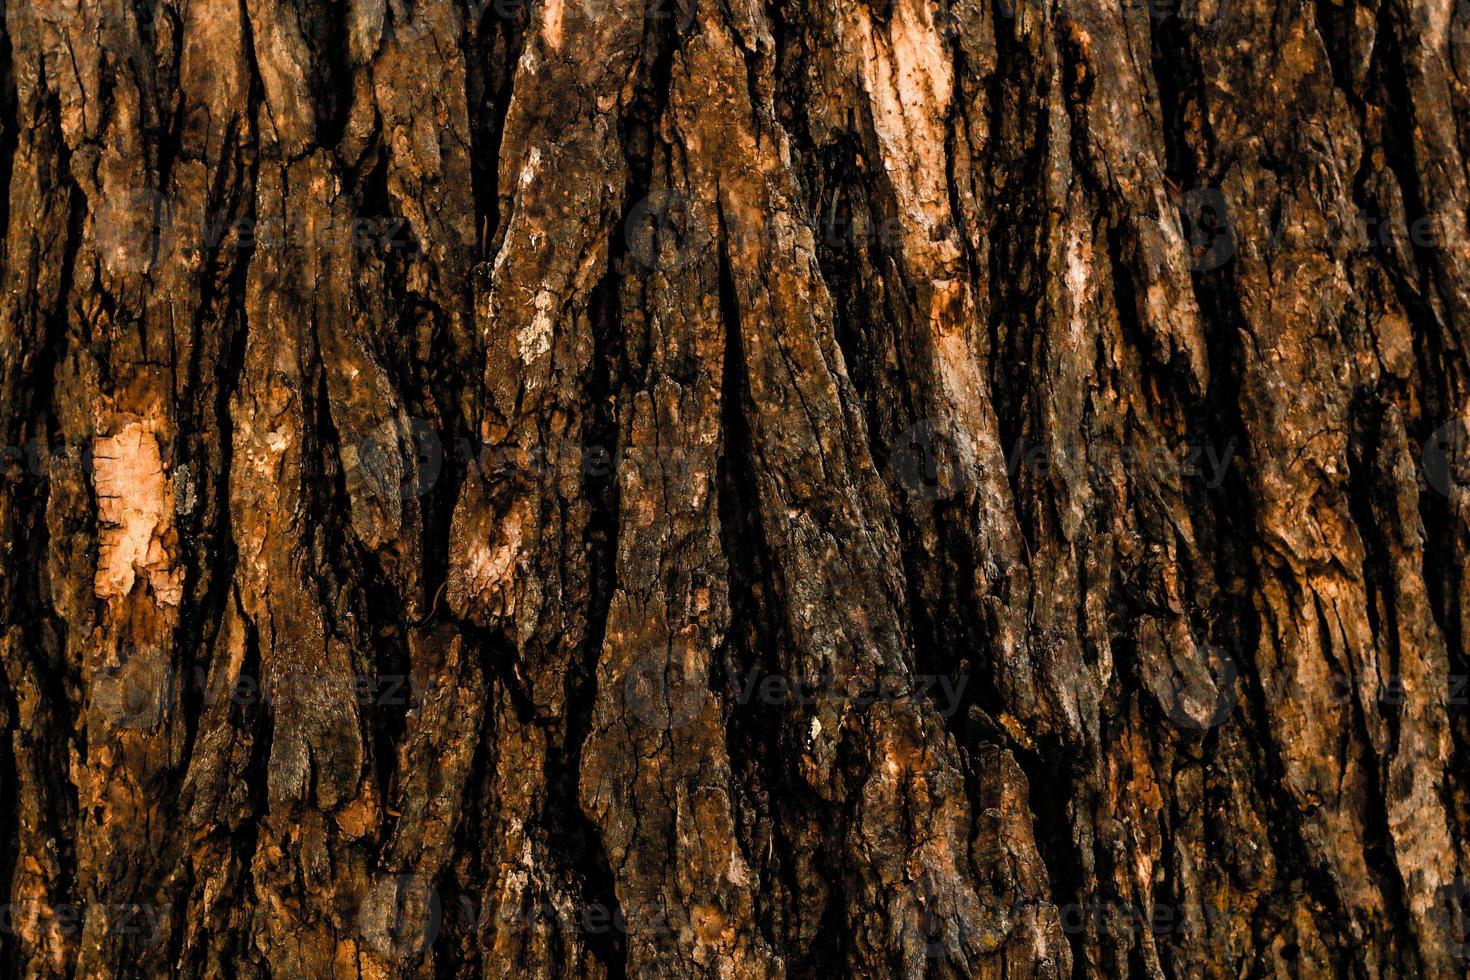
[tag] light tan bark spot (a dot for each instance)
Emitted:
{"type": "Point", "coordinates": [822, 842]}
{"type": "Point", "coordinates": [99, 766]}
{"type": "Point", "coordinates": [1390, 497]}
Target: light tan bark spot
{"type": "Point", "coordinates": [135, 514]}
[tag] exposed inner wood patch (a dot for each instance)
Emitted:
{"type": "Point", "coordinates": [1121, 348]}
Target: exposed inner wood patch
{"type": "Point", "coordinates": [135, 516]}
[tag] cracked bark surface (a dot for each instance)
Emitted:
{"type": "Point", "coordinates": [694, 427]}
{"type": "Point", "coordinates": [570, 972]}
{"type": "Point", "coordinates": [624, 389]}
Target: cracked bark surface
{"type": "Point", "coordinates": [663, 488]}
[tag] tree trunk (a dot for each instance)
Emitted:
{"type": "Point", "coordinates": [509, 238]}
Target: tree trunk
{"type": "Point", "coordinates": [670, 488]}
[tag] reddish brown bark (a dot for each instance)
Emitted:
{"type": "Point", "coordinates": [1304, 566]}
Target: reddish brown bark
{"type": "Point", "coordinates": [688, 488]}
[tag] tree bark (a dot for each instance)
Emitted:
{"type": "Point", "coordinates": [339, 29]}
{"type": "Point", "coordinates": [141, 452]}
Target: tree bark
{"type": "Point", "coordinates": [702, 488]}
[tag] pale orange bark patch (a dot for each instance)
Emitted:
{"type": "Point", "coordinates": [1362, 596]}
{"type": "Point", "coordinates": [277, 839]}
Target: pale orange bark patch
{"type": "Point", "coordinates": [135, 513]}
{"type": "Point", "coordinates": [551, 24]}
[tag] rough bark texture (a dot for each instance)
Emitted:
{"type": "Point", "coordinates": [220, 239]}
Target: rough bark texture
{"type": "Point", "coordinates": [671, 488]}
